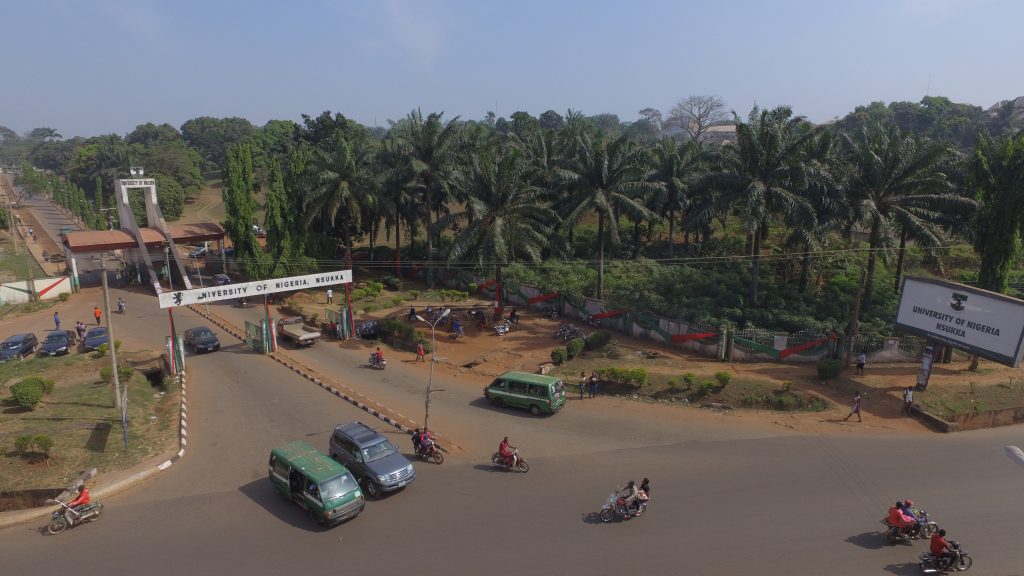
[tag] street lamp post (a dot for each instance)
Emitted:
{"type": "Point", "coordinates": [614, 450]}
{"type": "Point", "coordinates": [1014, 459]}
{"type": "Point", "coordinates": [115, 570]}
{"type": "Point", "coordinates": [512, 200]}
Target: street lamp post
{"type": "Point", "coordinates": [433, 360]}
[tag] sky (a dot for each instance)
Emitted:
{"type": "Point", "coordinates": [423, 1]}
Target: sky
{"type": "Point", "coordinates": [91, 67]}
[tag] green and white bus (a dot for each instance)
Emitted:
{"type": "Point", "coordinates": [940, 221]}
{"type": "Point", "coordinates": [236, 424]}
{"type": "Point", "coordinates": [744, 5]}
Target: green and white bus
{"type": "Point", "coordinates": [537, 393]}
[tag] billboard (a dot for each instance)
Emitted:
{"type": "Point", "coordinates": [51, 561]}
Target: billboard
{"type": "Point", "coordinates": [253, 289]}
{"type": "Point", "coordinates": [981, 322]}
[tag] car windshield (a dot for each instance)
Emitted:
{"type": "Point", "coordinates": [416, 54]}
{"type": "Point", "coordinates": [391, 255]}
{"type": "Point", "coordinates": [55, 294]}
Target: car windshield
{"type": "Point", "coordinates": [337, 487]}
{"type": "Point", "coordinates": [200, 333]}
{"type": "Point", "coordinates": [12, 344]}
{"type": "Point", "coordinates": [96, 333]}
{"type": "Point", "coordinates": [377, 451]}
{"type": "Point", "coordinates": [54, 338]}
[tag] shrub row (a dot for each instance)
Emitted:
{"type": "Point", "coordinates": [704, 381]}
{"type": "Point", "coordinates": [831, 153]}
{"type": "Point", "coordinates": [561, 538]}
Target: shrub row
{"type": "Point", "coordinates": [635, 377]}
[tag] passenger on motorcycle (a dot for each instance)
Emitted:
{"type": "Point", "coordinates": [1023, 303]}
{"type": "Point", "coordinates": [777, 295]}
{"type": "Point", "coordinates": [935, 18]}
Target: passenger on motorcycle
{"type": "Point", "coordinates": [507, 452]}
{"type": "Point", "coordinates": [908, 511]}
{"type": "Point", "coordinates": [941, 549]}
{"type": "Point", "coordinates": [426, 440]}
{"type": "Point", "coordinates": [81, 500]}
{"type": "Point", "coordinates": [417, 440]}
{"type": "Point", "coordinates": [897, 518]}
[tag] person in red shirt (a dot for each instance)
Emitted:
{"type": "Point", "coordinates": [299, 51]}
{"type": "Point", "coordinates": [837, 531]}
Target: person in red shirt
{"type": "Point", "coordinates": [941, 549]}
{"type": "Point", "coordinates": [81, 500]}
{"type": "Point", "coordinates": [507, 452]}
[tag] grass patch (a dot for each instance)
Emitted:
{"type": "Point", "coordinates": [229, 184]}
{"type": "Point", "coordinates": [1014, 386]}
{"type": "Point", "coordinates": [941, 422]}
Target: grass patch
{"type": "Point", "coordinates": [15, 266]}
{"type": "Point", "coordinates": [949, 402]}
{"type": "Point", "coordinates": [79, 415]}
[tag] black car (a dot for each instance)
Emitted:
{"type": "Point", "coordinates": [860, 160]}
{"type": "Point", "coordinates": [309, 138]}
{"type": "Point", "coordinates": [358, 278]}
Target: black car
{"type": "Point", "coordinates": [94, 338]}
{"type": "Point", "coordinates": [18, 346]}
{"type": "Point", "coordinates": [201, 339]}
{"type": "Point", "coordinates": [58, 343]}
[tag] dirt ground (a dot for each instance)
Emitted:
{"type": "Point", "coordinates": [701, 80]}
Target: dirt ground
{"type": "Point", "coordinates": [485, 354]}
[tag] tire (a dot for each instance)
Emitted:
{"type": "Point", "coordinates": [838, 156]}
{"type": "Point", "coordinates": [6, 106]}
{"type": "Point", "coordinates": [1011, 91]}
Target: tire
{"type": "Point", "coordinates": [371, 489]}
{"type": "Point", "coordinates": [96, 515]}
{"type": "Point", "coordinates": [965, 562]}
{"type": "Point", "coordinates": [57, 526]}
{"type": "Point", "coordinates": [522, 466]}
{"type": "Point", "coordinates": [607, 514]}
{"type": "Point", "coordinates": [534, 410]}
{"type": "Point", "coordinates": [929, 528]}
{"type": "Point", "coordinates": [315, 518]}
{"type": "Point", "coordinates": [438, 457]}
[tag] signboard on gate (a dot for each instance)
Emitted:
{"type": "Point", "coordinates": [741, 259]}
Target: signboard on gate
{"type": "Point", "coordinates": [985, 323]}
{"type": "Point", "coordinates": [253, 289]}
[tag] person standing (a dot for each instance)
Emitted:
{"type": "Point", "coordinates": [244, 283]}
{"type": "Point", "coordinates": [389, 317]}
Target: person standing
{"type": "Point", "coordinates": [56, 320]}
{"type": "Point", "coordinates": [330, 296]}
{"type": "Point", "coordinates": [855, 409]}
{"type": "Point", "coordinates": [593, 384]}
{"type": "Point", "coordinates": [862, 359]}
{"type": "Point", "coordinates": [97, 314]}
{"type": "Point", "coordinates": [908, 399]}
{"type": "Point", "coordinates": [419, 352]}
{"type": "Point", "coordinates": [31, 234]}
{"type": "Point", "coordinates": [80, 328]}
{"type": "Point", "coordinates": [583, 383]}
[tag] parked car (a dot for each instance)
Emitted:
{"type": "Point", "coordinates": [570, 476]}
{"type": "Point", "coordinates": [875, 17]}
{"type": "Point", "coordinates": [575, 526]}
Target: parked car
{"type": "Point", "coordinates": [201, 339]}
{"type": "Point", "coordinates": [18, 346]}
{"type": "Point", "coordinates": [199, 252]}
{"type": "Point", "coordinates": [58, 343]}
{"type": "Point", "coordinates": [221, 279]}
{"type": "Point", "coordinates": [94, 338]}
{"type": "Point", "coordinates": [376, 463]}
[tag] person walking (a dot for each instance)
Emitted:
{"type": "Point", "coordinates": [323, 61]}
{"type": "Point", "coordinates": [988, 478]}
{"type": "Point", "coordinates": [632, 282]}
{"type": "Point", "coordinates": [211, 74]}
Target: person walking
{"type": "Point", "coordinates": [855, 409]}
{"type": "Point", "coordinates": [330, 296]}
{"type": "Point", "coordinates": [862, 359]}
{"type": "Point", "coordinates": [80, 328]}
{"type": "Point", "coordinates": [419, 352]}
{"type": "Point", "coordinates": [583, 383]}
{"type": "Point", "coordinates": [908, 399]}
{"type": "Point", "coordinates": [593, 384]}
{"type": "Point", "coordinates": [96, 312]}
{"type": "Point", "coordinates": [56, 320]}
{"type": "Point", "coordinates": [31, 234]}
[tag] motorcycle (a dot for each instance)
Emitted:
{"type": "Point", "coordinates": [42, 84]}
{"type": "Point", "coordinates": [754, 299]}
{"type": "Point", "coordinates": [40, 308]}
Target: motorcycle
{"type": "Point", "coordinates": [550, 312]}
{"type": "Point", "coordinates": [458, 333]}
{"type": "Point", "coordinates": [897, 535]}
{"type": "Point", "coordinates": [568, 332]}
{"type": "Point", "coordinates": [121, 306]}
{"type": "Point", "coordinates": [504, 328]}
{"type": "Point", "coordinates": [430, 451]}
{"type": "Point", "coordinates": [520, 464]}
{"type": "Point", "coordinates": [936, 564]}
{"type": "Point", "coordinates": [379, 364]}
{"type": "Point", "coordinates": [592, 322]}
{"type": "Point", "coordinates": [616, 506]}
{"type": "Point", "coordinates": [59, 523]}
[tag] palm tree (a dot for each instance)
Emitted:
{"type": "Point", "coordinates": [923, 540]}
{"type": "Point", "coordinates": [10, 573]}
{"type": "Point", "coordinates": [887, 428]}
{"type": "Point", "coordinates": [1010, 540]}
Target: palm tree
{"type": "Point", "coordinates": [760, 176]}
{"type": "Point", "coordinates": [433, 150]}
{"type": "Point", "coordinates": [506, 218]}
{"type": "Point", "coordinates": [997, 173]}
{"type": "Point", "coordinates": [675, 166]}
{"type": "Point", "coordinates": [606, 177]}
{"type": "Point", "coordinates": [899, 189]}
{"type": "Point", "coordinates": [339, 174]}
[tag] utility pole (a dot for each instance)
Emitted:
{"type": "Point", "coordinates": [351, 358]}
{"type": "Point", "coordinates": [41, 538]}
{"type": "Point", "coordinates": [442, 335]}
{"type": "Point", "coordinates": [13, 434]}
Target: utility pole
{"type": "Point", "coordinates": [110, 333]}
{"type": "Point", "coordinates": [855, 321]}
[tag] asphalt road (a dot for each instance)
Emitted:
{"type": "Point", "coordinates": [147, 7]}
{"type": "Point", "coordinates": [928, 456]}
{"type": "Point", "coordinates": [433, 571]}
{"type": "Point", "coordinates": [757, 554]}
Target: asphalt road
{"type": "Point", "coordinates": [726, 499]}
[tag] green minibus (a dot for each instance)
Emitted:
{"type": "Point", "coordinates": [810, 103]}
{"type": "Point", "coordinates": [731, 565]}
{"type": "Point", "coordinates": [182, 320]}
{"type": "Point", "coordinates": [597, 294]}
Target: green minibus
{"type": "Point", "coordinates": [315, 482]}
{"type": "Point", "coordinates": [538, 393]}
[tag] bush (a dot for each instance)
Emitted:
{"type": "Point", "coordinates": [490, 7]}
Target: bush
{"type": "Point", "coordinates": [672, 383]}
{"type": "Point", "coordinates": [414, 294]}
{"type": "Point", "coordinates": [635, 377]}
{"type": "Point", "coordinates": [44, 443]}
{"type": "Point", "coordinates": [117, 345]}
{"type": "Point", "coordinates": [707, 387]}
{"type": "Point", "coordinates": [22, 444]}
{"type": "Point", "coordinates": [689, 378]}
{"type": "Point", "coordinates": [27, 393]}
{"type": "Point", "coordinates": [472, 287]}
{"type": "Point", "coordinates": [829, 369]}
{"type": "Point", "coordinates": [393, 283]}
{"type": "Point", "coordinates": [107, 374]}
{"type": "Point", "coordinates": [723, 378]}
{"type": "Point", "coordinates": [45, 383]}
{"type": "Point", "coordinates": [63, 296]}
{"type": "Point", "coordinates": [399, 334]}
{"type": "Point", "coordinates": [559, 355]}
{"type": "Point", "coordinates": [598, 340]}
{"type": "Point", "coordinates": [396, 300]}
{"type": "Point", "coordinates": [102, 350]}
{"type": "Point", "coordinates": [124, 373]}
{"type": "Point", "coordinates": [574, 347]}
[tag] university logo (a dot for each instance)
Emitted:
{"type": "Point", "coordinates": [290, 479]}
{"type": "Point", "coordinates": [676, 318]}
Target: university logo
{"type": "Point", "coordinates": [958, 302]}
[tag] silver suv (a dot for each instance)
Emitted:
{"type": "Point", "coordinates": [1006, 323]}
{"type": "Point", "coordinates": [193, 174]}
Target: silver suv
{"type": "Point", "coordinates": [374, 461]}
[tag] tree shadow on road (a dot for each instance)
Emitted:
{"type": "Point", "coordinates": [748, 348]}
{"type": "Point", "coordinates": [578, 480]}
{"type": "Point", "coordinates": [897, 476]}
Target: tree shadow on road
{"type": "Point", "coordinates": [262, 492]}
{"type": "Point", "coordinates": [869, 540]}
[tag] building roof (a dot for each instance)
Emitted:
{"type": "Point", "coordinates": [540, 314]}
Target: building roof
{"type": "Point", "coordinates": [104, 240]}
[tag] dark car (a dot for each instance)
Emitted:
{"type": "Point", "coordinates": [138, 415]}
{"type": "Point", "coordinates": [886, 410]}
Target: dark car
{"type": "Point", "coordinates": [376, 463]}
{"type": "Point", "coordinates": [94, 338]}
{"type": "Point", "coordinates": [221, 279]}
{"type": "Point", "coordinates": [199, 252]}
{"type": "Point", "coordinates": [58, 343]}
{"type": "Point", "coordinates": [18, 346]}
{"type": "Point", "coordinates": [201, 339]}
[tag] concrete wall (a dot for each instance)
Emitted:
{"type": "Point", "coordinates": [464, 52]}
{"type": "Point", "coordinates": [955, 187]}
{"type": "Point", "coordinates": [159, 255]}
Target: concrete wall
{"type": "Point", "coordinates": [44, 289]}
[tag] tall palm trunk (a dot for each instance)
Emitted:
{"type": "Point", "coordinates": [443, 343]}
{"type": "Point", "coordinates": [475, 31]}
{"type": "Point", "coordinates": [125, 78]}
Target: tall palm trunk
{"type": "Point", "coordinates": [636, 239]}
{"type": "Point", "coordinates": [498, 289]}
{"type": "Point", "coordinates": [899, 261]}
{"type": "Point", "coordinates": [805, 269]}
{"type": "Point", "coordinates": [755, 268]}
{"type": "Point", "coordinates": [869, 282]}
{"type": "Point", "coordinates": [428, 181]}
{"type": "Point", "coordinates": [348, 243]}
{"type": "Point", "coordinates": [671, 230]}
{"type": "Point", "coordinates": [600, 256]}
{"type": "Point", "coordinates": [398, 243]}
{"type": "Point", "coordinates": [373, 236]}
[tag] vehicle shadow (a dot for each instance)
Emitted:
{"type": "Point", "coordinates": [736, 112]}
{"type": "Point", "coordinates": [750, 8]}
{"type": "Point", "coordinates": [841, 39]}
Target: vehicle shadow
{"type": "Point", "coordinates": [903, 569]}
{"type": "Point", "coordinates": [869, 540]}
{"type": "Point", "coordinates": [491, 468]}
{"type": "Point", "coordinates": [592, 518]}
{"type": "Point", "coordinates": [262, 492]}
{"type": "Point", "coordinates": [488, 405]}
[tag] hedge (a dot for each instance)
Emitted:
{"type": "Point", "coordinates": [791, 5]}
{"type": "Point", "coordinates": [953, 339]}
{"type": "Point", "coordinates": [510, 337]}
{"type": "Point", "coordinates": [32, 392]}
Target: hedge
{"type": "Point", "coordinates": [574, 347]}
{"type": "Point", "coordinates": [635, 377]}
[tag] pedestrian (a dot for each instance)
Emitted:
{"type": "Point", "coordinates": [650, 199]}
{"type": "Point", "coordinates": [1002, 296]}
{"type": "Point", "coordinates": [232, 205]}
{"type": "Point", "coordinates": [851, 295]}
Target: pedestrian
{"type": "Point", "coordinates": [583, 383]}
{"type": "Point", "coordinates": [855, 409]}
{"type": "Point", "coordinates": [862, 359]}
{"type": "Point", "coordinates": [31, 234]}
{"type": "Point", "coordinates": [330, 296]}
{"type": "Point", "coordinates": [96, 312]}
{"type": "Point", "coordinates": [56, 320]}
{"type": "Point", "coordinates": [908, 399]}
{"type": "Point", "coordinates": [419, 352]}
{"type": "Point", "coordinates": [80, 328]}
{"type": "Point", "coordinates": [593, 384]}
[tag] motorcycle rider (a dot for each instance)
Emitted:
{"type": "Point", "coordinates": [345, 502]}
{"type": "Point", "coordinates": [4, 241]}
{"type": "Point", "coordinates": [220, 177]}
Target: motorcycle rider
{"type": "Point", "coordinates": [377, 357]}
{"type": "Point", "coordinates": [941, 549]}
{"type": "Point", "coordinates": [507, 453]}
{"type": "Point", "coordinates": [908, 511]}
{"type": "Point", "coordinates": [644, 494]}
{"type": "Point", "coordinates": [513, 317]}
{"type": "Point", "coordinates": [417, 441]}
{"type": "Point", "coordinates": [457, 327]}
{"type": "Point", "coordinates": [81, 500]}
{"type": "Point", "coordinates": [630, 494]}
{"type": "Point", "coordinates": [120, 305]}
{"type": "Point", "coordinates": [897, 518]}
{"type": "Point", "coordinates": [412, 314]}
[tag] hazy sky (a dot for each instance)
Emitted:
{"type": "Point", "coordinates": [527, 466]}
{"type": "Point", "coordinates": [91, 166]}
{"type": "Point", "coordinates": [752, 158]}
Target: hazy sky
{"type": "Point", "coordinates": [89, 67]}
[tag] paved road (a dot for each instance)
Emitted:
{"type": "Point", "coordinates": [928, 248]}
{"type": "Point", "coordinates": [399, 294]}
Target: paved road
{"type": "Point", "coordinates": [725, 500]}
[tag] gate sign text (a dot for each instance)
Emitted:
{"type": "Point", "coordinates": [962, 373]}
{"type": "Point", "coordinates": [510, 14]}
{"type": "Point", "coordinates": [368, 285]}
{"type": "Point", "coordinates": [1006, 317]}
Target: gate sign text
{"type": "Point", "coordinates": [253, 289]}
{"type": "Point", "coordinates": [985, 323]}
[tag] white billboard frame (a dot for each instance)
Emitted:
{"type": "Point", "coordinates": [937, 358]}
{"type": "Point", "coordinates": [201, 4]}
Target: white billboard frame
{"type": "Point", "coordinates": [252, 289]}
{"type": "Point", "coordinates": [978, 321]}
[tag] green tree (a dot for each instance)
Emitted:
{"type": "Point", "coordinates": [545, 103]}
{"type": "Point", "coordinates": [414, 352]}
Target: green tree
{"type": "Point", "coordinates": [996, 173]}
{"type": "Point", "coordinates": [340, 174]}
{"type": "Point", "coordinates": [676, 166]}
{"type": "Point", "coordinates": [239, 205]}
{"type": "Point", "coordinates": [274, 215]}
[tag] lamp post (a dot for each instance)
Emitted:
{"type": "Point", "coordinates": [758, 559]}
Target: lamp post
{"type": "Point", "coordinates": [433, 359]}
